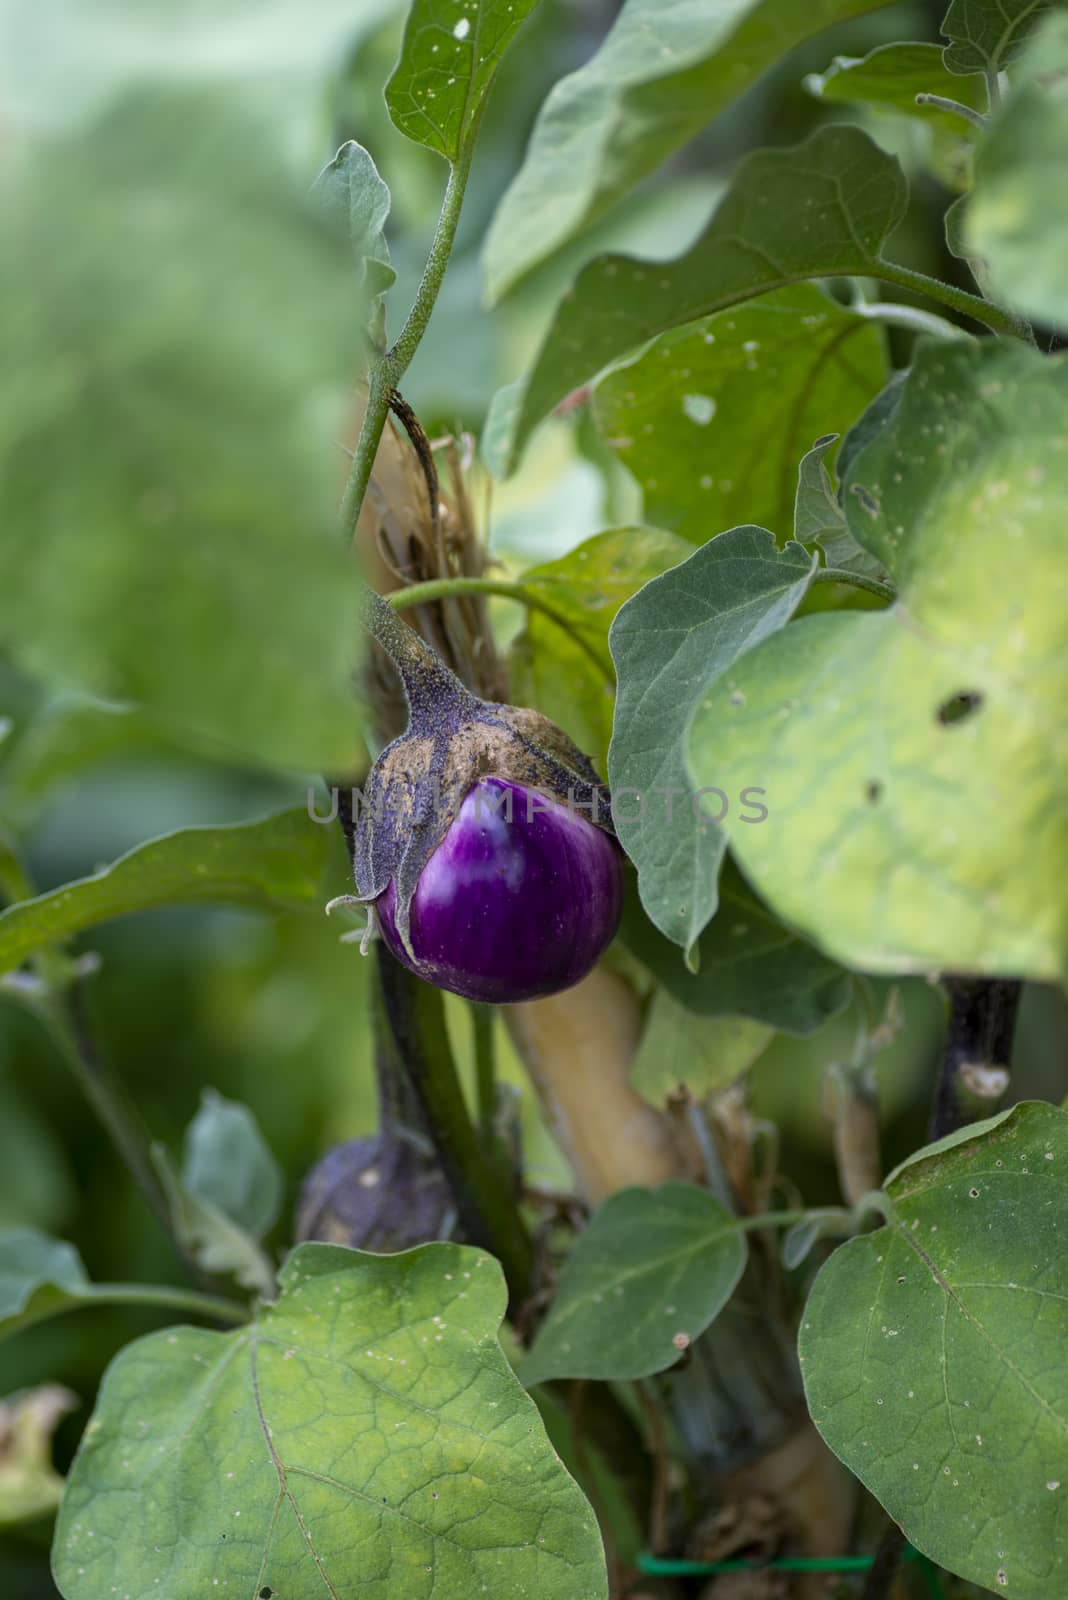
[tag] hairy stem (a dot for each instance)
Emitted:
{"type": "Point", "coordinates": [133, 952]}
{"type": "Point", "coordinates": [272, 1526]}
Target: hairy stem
{"type": "Point", "coordinates": [856, 580]}
{"type": "Point", "coordinates": [386, 371]}
{"type": "Point", "coordinates": [418, 594]}
{"type": "Point", "coordinates": [487, 1204]}
{"type": "Point", "coordinates": [213, 1308]}
{"type": "Point", "coordinates": [969, 305]}
{"type": "Point", "coordinates": [940, 103]}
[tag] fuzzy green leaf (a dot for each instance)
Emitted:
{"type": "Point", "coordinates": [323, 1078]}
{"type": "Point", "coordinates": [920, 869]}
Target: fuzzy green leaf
{"type": "Point", "coordinates": [278, 863]}
{"type": "Point", "coordinates": [933, 1354]}
{"type": "Point", "coordinates": [220, 1245]}
{"type": "Point", "coordinates": [985, 35]}
{"type": "Point", "coordinates": [357, 202]}
{"type": "Point", "coordinates": [664, 71]}
{"type": "Point", "coordinates": [681, 415]}
{"type": "Point", "coordinates": [938, 822]}
{"type": "Point", "coordinates": [748, 964]}
{"type": "Point", "coordinates": [1015, 221]}
{"type": "Point", "coordinates": [653, 1264]}
{"type": "Point", "coordinates": [450, 54]}
{"type": "Point", "coordinates": [679, 634]}
{"type": "Point", "coordinates": [421, 1468]}
{"type": "Point", "coordinates": [822, 208]}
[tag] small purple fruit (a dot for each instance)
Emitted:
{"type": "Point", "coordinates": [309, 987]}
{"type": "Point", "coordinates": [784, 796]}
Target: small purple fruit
{"type": "Point", "coordinates": [472, 842]}
{"type": "Point", "coordinates": [519, 899]}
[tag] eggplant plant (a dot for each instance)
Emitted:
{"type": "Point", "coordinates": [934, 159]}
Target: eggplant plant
{"type": "Point", "coordinates": [730, 826]}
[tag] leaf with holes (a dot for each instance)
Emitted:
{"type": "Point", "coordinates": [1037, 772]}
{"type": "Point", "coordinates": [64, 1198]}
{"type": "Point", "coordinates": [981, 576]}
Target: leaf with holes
{"type": "Point", "coordinates": [678, 635]}
{"type": "Point", "coordinates": [937, 820]}
{"type": "Point", "coordinates": [1009, 224]}
{"type": "Point", "coordinates": [566, 671]}
{"type": "Point", "coordinates": [450, 54]}
{"type": "Point", "coordinates": [279, 862]}
{"type": "Point", "coordinates": [933, 1353]}
{"type": "Point", "coordinates": [681, 415]}
{"type": "Point", "coordinates": [652, 1270]}
{"type": "Point", "coordinates": [664, 71]}
{"type": "Point", "coordinates": [365, 1435]}
{"type": "Point", "coordinates": [820, 209]}
{"type": "Point", "coordinates": [985, 35]}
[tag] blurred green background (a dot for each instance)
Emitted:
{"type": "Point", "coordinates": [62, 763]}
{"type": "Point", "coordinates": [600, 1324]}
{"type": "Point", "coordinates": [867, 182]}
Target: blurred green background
{"type": "Point", "coordinates": [272, 1011]}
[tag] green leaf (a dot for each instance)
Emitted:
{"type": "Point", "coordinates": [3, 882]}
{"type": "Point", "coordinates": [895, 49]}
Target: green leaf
{"type": "Point", "coordinates": [938, 822]}
{"type": "Point", "coordinates": [680, 416]}
{"type": "Point", "coordinates": [679, 634]}
{"type": "Point", "coordinates": [278, 862]}
{"type": "Point", "coordinates": [30, 1486]}
{"type": "Point", "coordinates": [421, 1468]}
{"type": "Point", "coordinates": [570, 678]}
{"type": "Point", "coordinates": [652, 1265]}
{"type": "Point", "coordinates": [664, 71]}
{"type": "Point", "coordinates": [748, 964]}
{"type": "Point", "coordinates": [822, 208]}
{"type": "Point", "coordinates": [39, 1276]}
{"type": "Point", "coordinates": [357, 202]}
{"type": "Point", "coordinates": [228, 1162]}
{"type": "Point", "coordinates": [166, 294]}
{"type": "Point", "coordinates": [450, 54]}
{"type": "Point", "coordinates": [68, 734]}
{"type": "Point", "coordinates": [818, 515]}
{"type": "Point", "coordinates": [217, 1243]}
{"type": "Point", "coordinates": [985, 35]}
{"type": "Point", "coordinates": [1014, 221]}
{"type": "Point", "coordinates": [889, 79]}
{"type": "Point", "coordinates": [933, 1351]}
{"type": "Point", "coordinates": [681, 1052]}
{"type": "Point", "coordinates": [892, 76]}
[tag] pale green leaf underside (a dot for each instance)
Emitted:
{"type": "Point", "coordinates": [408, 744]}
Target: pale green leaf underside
{"type": "Point", "coordinates": [674, 638]}
{"type": "Point", "coordinates": [364, 1436]}
{"type": "Point", "coordinates": [664, 71]}
{"type": "Point", "coordinates": [985, 35]}
{"type": "Point", "coordinates": [1014, 220]}
{"type": "Point", "coordinates": [652, 1264]}
{"type": "Point", "coordinates": [228, 1162]}
{"type": "Point", "coordinates": [938, 826]}
{"type": "Point", "coordinates": [820, 209]}
{"type": "Point", "coordinates": [214, 1240]}
{"type": "Point", "coordinates": [278, 862]}
{"type": "Point", "coordinates": [933, 1355]}
{"type": "Point", "coordinates": [681, 415]}
{"type": "Point", "coordinates": [451, 51]}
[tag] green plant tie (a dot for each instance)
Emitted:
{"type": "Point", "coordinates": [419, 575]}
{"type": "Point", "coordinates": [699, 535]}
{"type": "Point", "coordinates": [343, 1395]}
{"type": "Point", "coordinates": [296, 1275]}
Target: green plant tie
{"type": "Point", "coordinates": [676, 1567]}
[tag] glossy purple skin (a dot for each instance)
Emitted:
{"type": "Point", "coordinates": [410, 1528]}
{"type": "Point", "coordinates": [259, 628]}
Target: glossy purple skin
{"type": "Point", "coordinates": [508, 911]}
